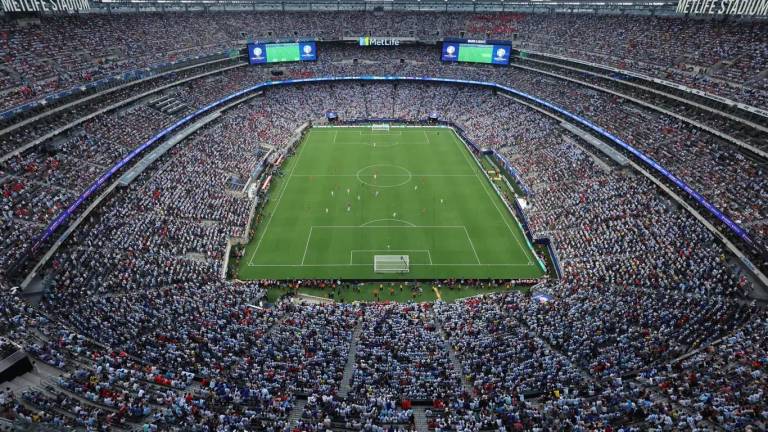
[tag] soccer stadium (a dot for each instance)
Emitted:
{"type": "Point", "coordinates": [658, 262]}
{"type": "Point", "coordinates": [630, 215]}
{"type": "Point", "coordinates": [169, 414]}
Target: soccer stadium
{"type": "Point", "coordinates": [384, 215]}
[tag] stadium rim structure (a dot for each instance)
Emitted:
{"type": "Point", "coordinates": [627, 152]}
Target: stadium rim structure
{"type": "Point", "coordinates": [52, 227]}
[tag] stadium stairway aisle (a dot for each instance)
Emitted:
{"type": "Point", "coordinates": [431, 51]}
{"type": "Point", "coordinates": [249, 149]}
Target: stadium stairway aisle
{"type": "Point", "coordinates": [349, 368]}
{"type": "Point", "coordinates": [584, 373]}
{"type": "Point", "coordinates": [452, 356]}
{"type": "Point", "coordinates": [658, 397]}
{"type": "Point", "coordinates": [420, 419]}
{"type": "Point", "coordinates": [297, 411]}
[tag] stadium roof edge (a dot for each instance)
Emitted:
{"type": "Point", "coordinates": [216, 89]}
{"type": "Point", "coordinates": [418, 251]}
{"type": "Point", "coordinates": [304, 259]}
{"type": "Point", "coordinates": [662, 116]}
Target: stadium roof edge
{"type": "Point", "coordinates": [663, 7]}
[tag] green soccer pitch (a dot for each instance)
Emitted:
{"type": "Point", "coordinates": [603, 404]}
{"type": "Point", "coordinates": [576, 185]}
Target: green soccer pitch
{"type": "Point", "coordinates": [351, 193]}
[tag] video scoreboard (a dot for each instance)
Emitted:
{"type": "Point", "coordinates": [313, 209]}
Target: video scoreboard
{"type": "Point", "coordinates": [470, 51]}
{"type": "Point", "coordinates": [259, 53]}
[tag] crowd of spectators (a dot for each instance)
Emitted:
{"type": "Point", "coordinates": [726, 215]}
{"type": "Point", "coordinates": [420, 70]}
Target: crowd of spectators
{"type": "Point", "coordinates": [734, 124]}
{"type": "Point", "coordinates": [38, 183]}
{"type": "Point", "coordinates": [725, 382]}
{"type": "Point", "coordinates": [724, 58]}
{"type": "Point", "coordinates": [730, 63]}
{"type": "Point", "coordinates": [732, 181]}
{"type": "Point", "coordinates": [95, 46]}
{"type": "Point", "coordinates": [35, 125]}
{"type": "Point", "coordinates": [144, 331]}
{"type": "Point", "coordinates": [401, 354]}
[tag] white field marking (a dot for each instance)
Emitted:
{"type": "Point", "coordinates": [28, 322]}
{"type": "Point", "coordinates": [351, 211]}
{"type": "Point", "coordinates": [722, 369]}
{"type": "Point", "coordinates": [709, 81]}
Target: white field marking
{"type": "Point", "coordinates": [426, 136]}
{"type": "Point", "coordinates": [250, 264]}
{"type": "Point", "coordinates": [384, 145]}
{"type": "Point", "coordinates": [391, 126]}
{"type": "Point", "coordinates": [279, 199]}
{"type": "Point", "coordinates": [413, 265]}
{"type": "Point", "coordinates": [335, 135]}
{"type": "Point", "coordinates": [351, 252]}
{"type": "Point", "coordinates": [382, 220]}
{"type": "Point", "coordinates": [361, 143]}
{"type": "Point", "coordinates": [405, 170]}
{"type": "Point", "coordinates": [471, 244]}
{"type": "Point", "coordinates": [501, 213]}
{"type": "Point", "coordinates": [408, 176]}
{"type": "Point", "coordinates": [485, 188]}
{"type": "Point", "coordinates": [306, 247]}
{"type": "Point", "coordinates": [388, 226]}
{"type": "Point", "coordinates": [387, 133]}
{"type": "Point", "coordinates": [386, 175]}
{"type": "Point", "coordinates": [291, 175]}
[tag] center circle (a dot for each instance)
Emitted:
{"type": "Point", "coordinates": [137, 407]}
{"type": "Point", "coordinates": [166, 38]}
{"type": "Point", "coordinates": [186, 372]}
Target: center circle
{"type": "Point", "coordinates": [384, 175]}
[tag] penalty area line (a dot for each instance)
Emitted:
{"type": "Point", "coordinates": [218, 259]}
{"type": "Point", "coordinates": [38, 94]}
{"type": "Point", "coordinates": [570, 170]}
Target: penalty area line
{"type": "Point", "coordinates": [306, 247]}
{"type": "Point", "coordinates": [471, 244]}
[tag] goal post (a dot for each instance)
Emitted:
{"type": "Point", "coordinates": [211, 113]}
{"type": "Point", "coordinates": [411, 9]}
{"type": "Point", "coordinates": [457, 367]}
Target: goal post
{"type": "Point", "coordinates": [382, 127]}
{"type": "Point", "coordinates": [391, 264]}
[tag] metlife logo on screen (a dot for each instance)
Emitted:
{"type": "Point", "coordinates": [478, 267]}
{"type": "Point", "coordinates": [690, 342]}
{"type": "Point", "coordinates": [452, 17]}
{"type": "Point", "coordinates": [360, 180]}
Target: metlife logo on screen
{"type": "Point", "coordinates": [378, 41]}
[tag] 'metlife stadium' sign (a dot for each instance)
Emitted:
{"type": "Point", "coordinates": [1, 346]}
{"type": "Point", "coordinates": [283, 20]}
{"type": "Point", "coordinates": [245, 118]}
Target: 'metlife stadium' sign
{"type": "Point", "coordinates": [723, 7]}
{"type": "Point", "coordinates": [45, 5]}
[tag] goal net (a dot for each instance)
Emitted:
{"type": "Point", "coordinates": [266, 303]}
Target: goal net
{"type": "Point", "coordinates": [383, 127]}
{"type": "Point", "coordinates": [391, 263]}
